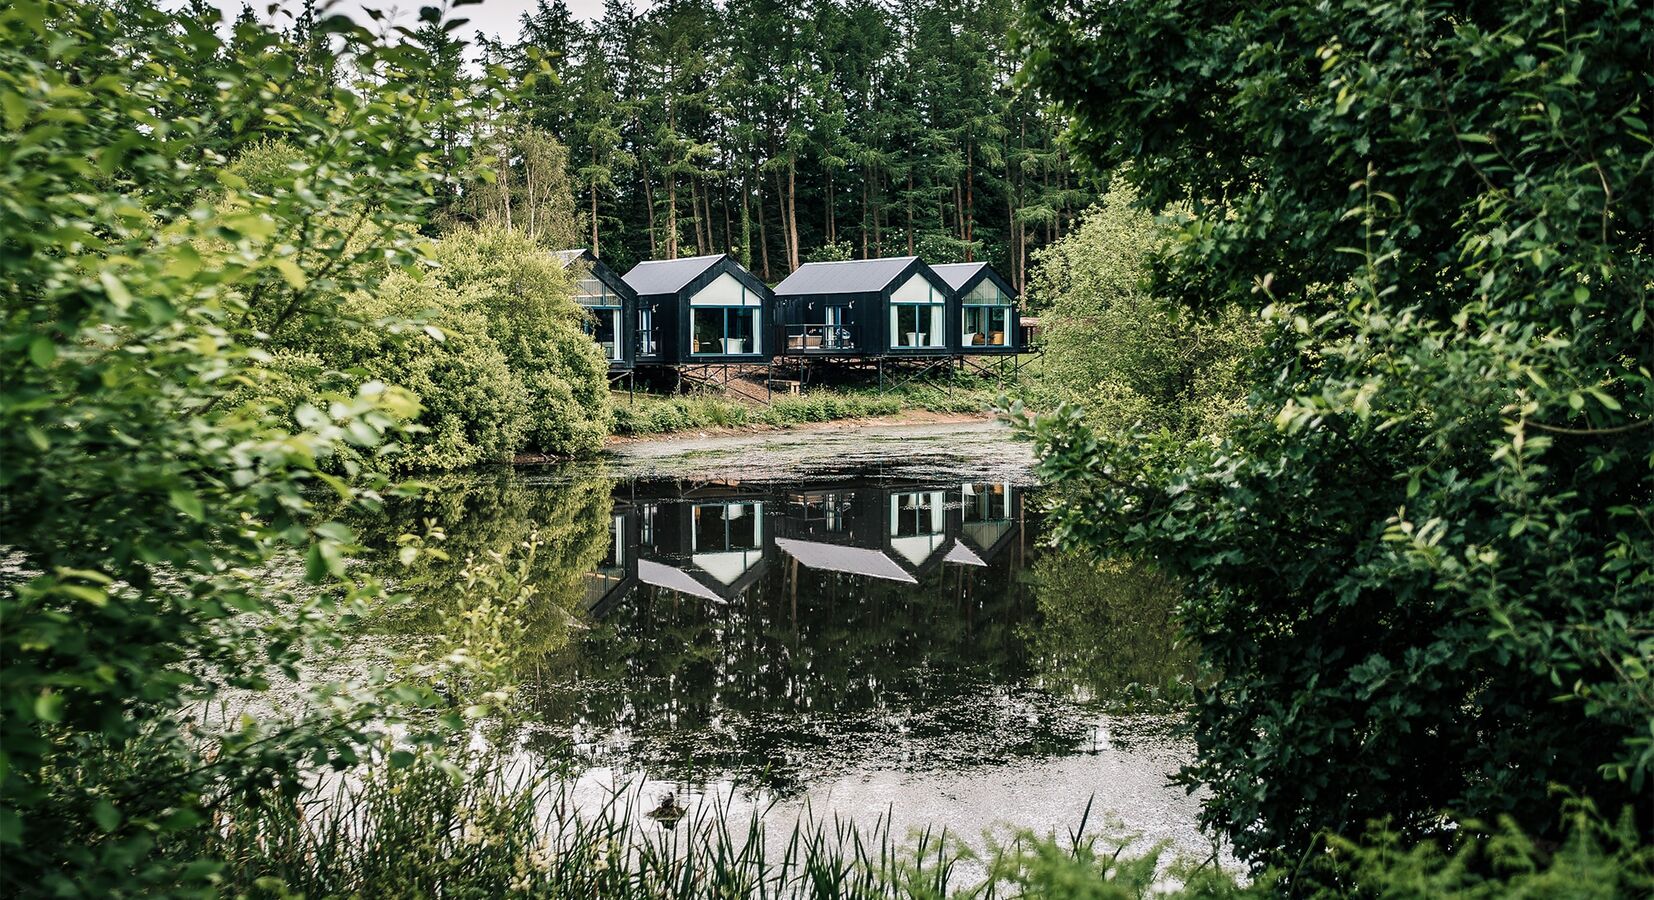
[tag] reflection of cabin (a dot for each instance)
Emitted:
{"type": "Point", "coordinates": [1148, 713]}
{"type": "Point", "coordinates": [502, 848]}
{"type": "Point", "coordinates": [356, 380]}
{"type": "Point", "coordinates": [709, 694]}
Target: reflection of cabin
{"type": "Point", "coordinates": [988, 319]}
{"type": "Point", "coordinates": [894, 534]}
{"type": "Point", "coordinates": [611, 304]}
{"type": "Point", "coordinates": [839, 530]}
{"type": "Point", "coordinates": [987, 522]}
{"type": "Point", "coordinates": [865, 307]}
{"type": "Point", "coordinates": [616, 574]}
{"type": "Point", "coordinates": [699, 309]}
{"type": "Point", "coordinates": [714, 541]}
{"type": "Point", "coordinates": [711, 548]}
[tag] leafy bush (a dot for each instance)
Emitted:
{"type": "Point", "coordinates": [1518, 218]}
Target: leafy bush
{"type": "Point", "coordinates": [163, 540]}
{"type": "Point", "coordinates": [1105, 632]}
{"type": "Point", "coordinates": [648, 414]}
{"type": "Point", "coordinates": [1129, 357]}
{"type": "Point", "coordinates": [474, 408]}
{"type": "Point", "coordinates": [526, 297]}
{"type": "Point", "coordinates": [1420, 565]}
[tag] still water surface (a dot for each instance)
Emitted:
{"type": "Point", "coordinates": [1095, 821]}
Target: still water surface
{"type": "Point", "coordinates": [860, 623]}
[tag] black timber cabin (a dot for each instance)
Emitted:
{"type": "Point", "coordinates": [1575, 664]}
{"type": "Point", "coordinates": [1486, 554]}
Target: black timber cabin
{"type": "Point", "coordinates": [700, 309]}
{"type": "Point", "coordinates": [894, 307]}
{"type": "Point", "coordinates": [611, 304]}
{"type": "Point", "coordinates": [987, 309]}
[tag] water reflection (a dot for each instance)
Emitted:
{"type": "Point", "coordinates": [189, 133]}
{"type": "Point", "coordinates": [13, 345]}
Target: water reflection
{"type": "Point", "coordinates": [782, 635]}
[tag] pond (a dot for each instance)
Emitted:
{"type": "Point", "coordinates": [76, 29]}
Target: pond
{"type": "Point", "coordinates": [854, 622]}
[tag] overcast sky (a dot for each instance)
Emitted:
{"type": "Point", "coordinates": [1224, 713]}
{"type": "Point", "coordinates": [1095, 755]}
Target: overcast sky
{"type": "Point", "coordinates": [490, 17]}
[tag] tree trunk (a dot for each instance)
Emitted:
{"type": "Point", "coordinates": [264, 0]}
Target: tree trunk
{"type": "Point", "coordinates": [671, 213]}
{"type": "Point", "coordinates": [781, 219]}
{"type": "Point", "coordinates": [695, 204]}
{"type": "Point", "coordinates": [832, 227]}
{"type": "Point", "coordinates": [596, 251]}
{"type": "Point", "coordinates": [505, 180]}
{"type": "Point", "coordinates": [746, 222]}
{"type": "Point", "coordinates": [763, 234]}
{"type": "Point", "coordinates": [865, 229]}
{"type": "Point", "coordinates": [729, 236]}
{"type": "Point", "coordinates": [878, 236]}
{"type": "Point", "coordinates": [649, 205]}
{"type": "Point", "coordinates": [970, 201]}
{"type": "Point", "coordinates": [910, 245]}
{"type": "Point", "coordinates": [792, 211]}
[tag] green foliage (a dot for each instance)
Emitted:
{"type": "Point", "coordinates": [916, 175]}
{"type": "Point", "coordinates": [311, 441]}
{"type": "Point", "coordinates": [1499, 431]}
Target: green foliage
{"type": "Point", "coordinates": [163, 465]}
{"type": "Point", "coordinates": [1420, 566]}
{"type": "Point", "coordinates": [473, 407]}
{"type": "Point", "coordinates": [837, 251]}
{"type": "Point", "coordinates": [538, 536]}
{"type": "Point", "coordinates": [526, 298]}
{"type": "Point", "coordinates": [1595, 858]}
{"type": "Point", "coordinates": [490, 344]}
{"type": "Point", "coordinates": [1130, 358]}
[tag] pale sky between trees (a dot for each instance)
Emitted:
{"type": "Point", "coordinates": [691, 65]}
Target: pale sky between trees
{"type": "Point", "coordinates": [494, 18]}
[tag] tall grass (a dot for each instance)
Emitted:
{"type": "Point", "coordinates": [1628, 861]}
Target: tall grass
{"type": "Point", "coordinates": [651, 414]}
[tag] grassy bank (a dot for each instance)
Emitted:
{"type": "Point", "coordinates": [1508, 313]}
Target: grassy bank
{"type": "Point", "coordinates": [654, 414]}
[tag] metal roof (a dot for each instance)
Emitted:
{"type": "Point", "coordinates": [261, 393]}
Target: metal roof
{"type": "Point", "coordinates": [956, 274]}
{"type": "Point", "coordinates": [839, 558]}
{"type": "Point", "coordinates": [673, 579]}
{"type": "Point", "coordinates": [855, 276]}
{"type": "Point", "coordinates": [963, 555]}
{"type": "Point", "coordinates": [668, 276]}
{"type": "Point", "coordinates": [566, 258]}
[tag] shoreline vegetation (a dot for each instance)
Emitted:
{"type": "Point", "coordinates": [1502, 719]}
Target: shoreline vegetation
{"type": "Point", "coordinates": [649, 415]}
{"type": "Point", "coordinates": [503, 830]}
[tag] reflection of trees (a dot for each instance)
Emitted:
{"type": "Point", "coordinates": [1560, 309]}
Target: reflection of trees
{"type": "Point", "coordinates": [1107, 632]}
{"type": "Point", "coordinates": [496, 513]}
{"type": "Point", "coordinates": [806, 668]}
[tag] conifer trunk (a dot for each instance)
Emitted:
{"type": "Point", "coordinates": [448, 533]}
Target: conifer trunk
{"type": "Point", "coordinates": [763, 236]}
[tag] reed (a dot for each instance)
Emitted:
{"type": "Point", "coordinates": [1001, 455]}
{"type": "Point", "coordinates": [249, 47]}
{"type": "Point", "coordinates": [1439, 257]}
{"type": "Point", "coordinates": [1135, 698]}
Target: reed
{"type": "Point", "coordinates": [479, 828]}
{"type": "Point", "coordinates": [435, 830]}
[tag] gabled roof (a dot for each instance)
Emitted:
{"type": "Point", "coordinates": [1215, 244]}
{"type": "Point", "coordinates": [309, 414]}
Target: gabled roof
{"type": "Point", "coordinates": [957, 274]}
{"type": "Point", "coordinates": [673, 579]}
{"type": "Point", "coordinates": [962, 555]}
{"type": "Point", "coordinates": [668, 276]}
{"type": "Point", "coordinates": [855, 276]}
{"type": "Point", "coordinates": [566, 258]}
{"type": "Point", "coordinates": [840, 558]}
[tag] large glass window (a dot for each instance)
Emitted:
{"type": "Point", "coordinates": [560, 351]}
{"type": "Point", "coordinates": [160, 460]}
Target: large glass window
{"type": "Point", "coordinates": [593, 292]}
{"type": "Point", "coordinates": [987, 317]}
{"type": "Point", "coordinates": [916, 530]}
{"type": "Point", "coordinates": [728, 526]}
{"type": "Point", "coordinates": [987, 326]}
{"type": "Point", "coordinates": [724, 330]}
{"type": "Point", "coordinates": [647, 342]}
{"type": "Point", "coordinates": [604, 327]}
{"type": "Point", "coordinates": [604, 307]}
{"type": "Point", "coordinates": [917, 324]}
{"type": "Point", "coordinates": [917, 311]}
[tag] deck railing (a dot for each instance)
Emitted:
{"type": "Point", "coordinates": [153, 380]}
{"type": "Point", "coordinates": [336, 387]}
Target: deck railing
{"type": "Point", "coordinates": [820, 337]}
